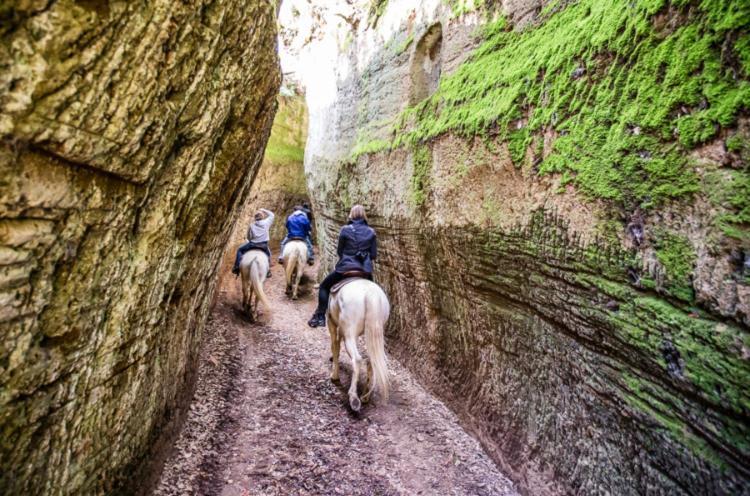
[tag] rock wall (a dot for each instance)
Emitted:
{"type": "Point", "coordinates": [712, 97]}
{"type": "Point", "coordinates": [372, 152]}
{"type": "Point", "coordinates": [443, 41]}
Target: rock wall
{"type": "Point", "coordinates": [561, 197]}
{"type": "Point", "coordinates": [131, 132]}
{"type": "Point", "coordinates": [280, 183]}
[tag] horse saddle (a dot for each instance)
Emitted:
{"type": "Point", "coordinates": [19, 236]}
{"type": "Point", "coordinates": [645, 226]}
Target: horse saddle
{"type": "Point", "coordinates": [296, 238]}
{"type": "Point", "coordinates": [350, 276]}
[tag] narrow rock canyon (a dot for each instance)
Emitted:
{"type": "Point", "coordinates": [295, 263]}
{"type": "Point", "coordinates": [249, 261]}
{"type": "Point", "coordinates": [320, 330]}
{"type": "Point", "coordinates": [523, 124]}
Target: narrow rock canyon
{"type": "Point", "coordinates": [561, 194]}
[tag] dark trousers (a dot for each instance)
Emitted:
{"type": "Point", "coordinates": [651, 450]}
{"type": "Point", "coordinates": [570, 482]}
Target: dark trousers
{"type": "Point", "coordinates": [251, 246]}
{"type": "Point", "coordinates": [324, 291]}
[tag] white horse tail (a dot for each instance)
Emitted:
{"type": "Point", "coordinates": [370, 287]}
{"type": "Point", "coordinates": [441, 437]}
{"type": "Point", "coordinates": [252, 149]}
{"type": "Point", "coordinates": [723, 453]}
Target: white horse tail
{"type": "Point", "coordinates": [258, 284]}
{"type": "Point", "coordinates": [375, 342]}
{"type": "Point", "coordinates": [291, 263]}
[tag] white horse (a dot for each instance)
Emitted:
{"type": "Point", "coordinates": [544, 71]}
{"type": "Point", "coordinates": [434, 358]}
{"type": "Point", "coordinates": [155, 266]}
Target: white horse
{"type": "Point", "coordinates": [253, 269]}
{"type": "Point", "coordinates": [295, 258]}
{"type": "Point", "coordinates": [360, 307]}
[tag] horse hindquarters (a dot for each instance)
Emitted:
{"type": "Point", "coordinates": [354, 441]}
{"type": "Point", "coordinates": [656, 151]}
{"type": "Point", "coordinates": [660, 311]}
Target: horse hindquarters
{"type": "Point", "coordinates": [295, 257]}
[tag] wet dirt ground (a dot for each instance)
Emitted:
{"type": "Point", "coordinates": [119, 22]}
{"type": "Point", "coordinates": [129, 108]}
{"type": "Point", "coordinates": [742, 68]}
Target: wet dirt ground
{"type": "Point", "coordinates": [267, 420]}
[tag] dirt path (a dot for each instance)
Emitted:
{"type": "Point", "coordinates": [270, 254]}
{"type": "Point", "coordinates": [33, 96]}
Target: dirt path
{"type": "Point", "coordinates": [266, 420]}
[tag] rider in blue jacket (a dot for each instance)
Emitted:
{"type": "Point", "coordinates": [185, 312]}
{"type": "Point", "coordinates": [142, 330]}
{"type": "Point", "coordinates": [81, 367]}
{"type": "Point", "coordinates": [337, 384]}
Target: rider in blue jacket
{"type": "Point", "coordinates": [357, 248]}
{"type": "Point", "coordinates": [298, 226]}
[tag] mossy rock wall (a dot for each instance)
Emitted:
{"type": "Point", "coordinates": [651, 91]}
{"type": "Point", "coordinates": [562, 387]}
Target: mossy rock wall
{"type": "Point", "coordinates": [567, 269]}
{"type": "Point", "coordinates": [131, 132]}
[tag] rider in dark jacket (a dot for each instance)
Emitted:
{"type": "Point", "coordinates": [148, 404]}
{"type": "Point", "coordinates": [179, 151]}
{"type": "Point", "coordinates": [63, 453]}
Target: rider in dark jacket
{"type": "Point", "coordinates": [357, 248]}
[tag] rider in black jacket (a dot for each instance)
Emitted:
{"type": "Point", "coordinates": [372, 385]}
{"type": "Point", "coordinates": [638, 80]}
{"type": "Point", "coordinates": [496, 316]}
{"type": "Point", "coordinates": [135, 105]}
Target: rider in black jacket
{"type": "Point", "coordinates": [357, 249]}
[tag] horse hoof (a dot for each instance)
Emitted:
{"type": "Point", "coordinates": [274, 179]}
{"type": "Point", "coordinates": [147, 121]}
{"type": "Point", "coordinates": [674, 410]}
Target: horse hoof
{"type": "Point", "coordinates": [355, 404]}
{"type": "Point", "coordinates": [294, 297]}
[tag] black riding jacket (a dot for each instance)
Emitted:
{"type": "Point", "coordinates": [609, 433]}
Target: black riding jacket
{"type": "Point", "coordinates": [357, 247]}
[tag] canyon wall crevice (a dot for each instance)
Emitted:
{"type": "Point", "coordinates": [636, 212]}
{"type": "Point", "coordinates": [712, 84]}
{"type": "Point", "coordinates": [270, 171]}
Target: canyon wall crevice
{"type": "Point", "coordinates": [280, 182]}
{"type": "Point", "coordinates": [567, 261]}
{"type": "Point", "coordinates": [130, 135]}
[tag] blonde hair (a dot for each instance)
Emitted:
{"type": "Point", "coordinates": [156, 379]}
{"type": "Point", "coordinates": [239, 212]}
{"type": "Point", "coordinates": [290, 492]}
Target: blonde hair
{"type": "Point", "coordinates": [357, 212]}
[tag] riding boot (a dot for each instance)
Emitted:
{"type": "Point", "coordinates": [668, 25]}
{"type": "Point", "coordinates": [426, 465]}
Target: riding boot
{"type": "Point", "coordinates": [317, 320]}
{"type": "Point", "coordinates": [236, 270]}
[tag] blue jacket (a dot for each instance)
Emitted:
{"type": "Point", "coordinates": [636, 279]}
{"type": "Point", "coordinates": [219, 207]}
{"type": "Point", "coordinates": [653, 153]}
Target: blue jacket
{"type": "Point", "coordinates": [357, 247]}
{"type": "Point", "coordinates": [298, 225]}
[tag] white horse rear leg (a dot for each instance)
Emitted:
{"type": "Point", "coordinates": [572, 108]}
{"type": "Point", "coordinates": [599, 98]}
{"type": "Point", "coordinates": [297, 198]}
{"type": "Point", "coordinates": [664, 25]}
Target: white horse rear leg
{"type": "Point", "coordinates": [351, 348]}
{"type": "Point", "coordinates": [368, 388]}
{"type": "Point", "coordinates": [252, 305]}
{"type": "Point", "coordinates": [245, 284]}
{"type": "Point", "coordinates": [335, 349]}
{"type": "Point", "coordinates": [298, 277]}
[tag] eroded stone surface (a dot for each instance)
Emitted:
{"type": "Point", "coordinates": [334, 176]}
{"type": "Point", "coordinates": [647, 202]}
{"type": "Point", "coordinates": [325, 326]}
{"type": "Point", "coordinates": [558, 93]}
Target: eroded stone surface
{"type": "Point", "coordinates": [131, 132]}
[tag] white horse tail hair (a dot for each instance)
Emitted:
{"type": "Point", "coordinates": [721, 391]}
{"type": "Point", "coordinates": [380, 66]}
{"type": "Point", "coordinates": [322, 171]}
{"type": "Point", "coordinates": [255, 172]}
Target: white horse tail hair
{"type": "Point", "coordinates": [291, 263]}
{"type": "Point", "coordinates": [257, 284]}
{"type": "Point", "coordinates": [375, 341]}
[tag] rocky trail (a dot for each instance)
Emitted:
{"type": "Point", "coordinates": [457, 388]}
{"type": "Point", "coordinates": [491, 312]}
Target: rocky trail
{"type": "Point", "coordinates": [266, 419]}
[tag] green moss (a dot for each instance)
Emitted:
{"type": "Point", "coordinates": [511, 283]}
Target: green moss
{"type": "Point", "coordinates": [286, 145]}
{"type": "Point", "coordinates": [730, 190]}
{"type": "Point", "coordinates": [377, 8]}
{"type": "Point", "coordinates": [420, 181]}
{"type": "Point", "coordinates": [737, 144]}
{"type": "Point", "coordinates": [610, 288]}
{"type": "Point", "coordinates": [279, 152]}
{"type": "Point", "coordinates": [518, 143]}
{"type": "Point", "coordinates": [343, 183]}
{"type": "Point", "coordinates": [608, 232]}
{"type": "Point", "coordinates": [404, 46]}
{"type": "Point", "coordinates": [461, 7]}
{"type": "Point", "coordinates": [677, 257]}
{"type": "Point", "coordinates": [627, 97]}
{"type": "Point", "coordinates": [711, 351]}
{"type": "Point", "coordinates": [742, 49]}
{"type": "Point", "coordinates": [647, 398]}
{"type": "Point", "coordinates": [365, 147]}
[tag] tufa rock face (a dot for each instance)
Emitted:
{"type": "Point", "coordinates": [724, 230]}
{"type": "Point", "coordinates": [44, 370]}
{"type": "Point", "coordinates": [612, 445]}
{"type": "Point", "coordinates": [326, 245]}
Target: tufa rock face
{"type": "Point", "coordinates": [130, 134]}
{"type": "Point", "coordinates": [586, 318]}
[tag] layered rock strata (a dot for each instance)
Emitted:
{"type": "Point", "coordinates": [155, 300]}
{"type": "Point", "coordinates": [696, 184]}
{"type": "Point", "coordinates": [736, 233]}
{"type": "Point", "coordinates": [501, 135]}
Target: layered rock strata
{"type": "Point", "coordinates": [131, 132]}
{"type": "Point", "coordinates": [565, 251]}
